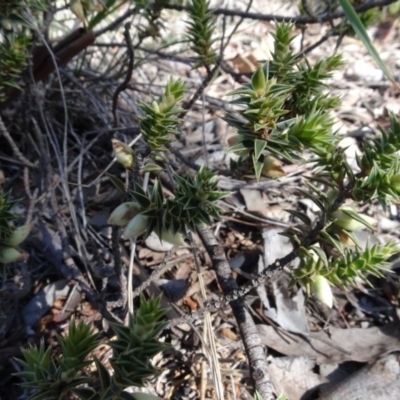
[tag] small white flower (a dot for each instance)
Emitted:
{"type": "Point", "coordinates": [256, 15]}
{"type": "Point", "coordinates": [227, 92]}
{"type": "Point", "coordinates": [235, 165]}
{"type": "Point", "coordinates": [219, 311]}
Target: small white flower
{"type": "Point", "coordinates": [321, 288]}
{"type": "Point", "coordinates": [136, 226]}
{"type": "Point", "coordinates": [9, 255]}
{"type": "Point", "coordinates": [350, 224]}
{"type": "Point", "coordinates": [175, 239]}
{"type": "Point", "coordinates": [124, 154]}
{"type": "Point", "coordinates": [272, 168]}
{"type": "Point", "coordinates": [19, 235]}
{"type": "Point", "coordinates": [77, 8]}
{"type": "Point", "coordinates": [124, 213]}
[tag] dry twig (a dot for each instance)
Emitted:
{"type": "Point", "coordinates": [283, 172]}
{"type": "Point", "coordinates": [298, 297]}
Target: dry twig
{"type": "Point", "coordinates": [249, 334]}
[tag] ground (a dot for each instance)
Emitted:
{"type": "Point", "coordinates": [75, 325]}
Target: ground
{"type": "Point", "coordinates": [63, 133]}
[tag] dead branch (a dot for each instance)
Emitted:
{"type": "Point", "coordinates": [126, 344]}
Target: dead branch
{"type": "Point", "coordinates": [249, 334]}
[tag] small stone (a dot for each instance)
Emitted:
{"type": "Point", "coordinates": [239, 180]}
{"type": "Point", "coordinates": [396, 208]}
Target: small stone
{"type": "Point", "coordinates": [154, 243]}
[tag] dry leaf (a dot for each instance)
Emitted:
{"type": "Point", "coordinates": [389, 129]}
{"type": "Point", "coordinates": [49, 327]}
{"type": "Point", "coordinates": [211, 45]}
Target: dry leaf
{"type": "Point", "coordinates": [362, 345]}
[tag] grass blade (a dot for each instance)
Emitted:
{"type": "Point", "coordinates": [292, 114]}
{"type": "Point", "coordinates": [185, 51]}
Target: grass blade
{"type": "Point", "coordinates": [362, 34]}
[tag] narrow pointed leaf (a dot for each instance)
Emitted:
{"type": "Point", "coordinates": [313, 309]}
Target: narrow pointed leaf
{"type": "Point", "coordinates": [104, 375]}
{"type": "Point", "coordinates": [359, 28]}
{"type": "Point", "coordinates": [259, 146]}
{"type": "Point", "coordinates": [116, 182]}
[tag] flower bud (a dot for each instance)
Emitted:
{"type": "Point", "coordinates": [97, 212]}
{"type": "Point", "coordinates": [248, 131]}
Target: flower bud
{"type": "Point", "coordinates": [9, 255]}
{"type": "Point", "coordinates": [395, 182]}
{"type": "Point", "coordinates": [167, 103]}
{"type": "Point", "coordinates": [151, 167]}
{"type": "Point", "coordinates": [272, 168]}
{"type": "Point", "coordinates": [124, 213]}
{"type": "Point", "coordinates": [159, 158]}
{"type": "Point", "coordinates": [7, 24]}
{"type": "Point", "coordinates": [235, 139]}
{"type": "Point", "coordinates": [321, 288]}
{"type": "Point", "coordinates": [92, 5]}
{"type": "Point", "coordinates": [155, 106]}
{"type": "Point", "coordinates": [124, 154]}
{"type": "Point", "coordinates": [136, 226]}
{"type": "Point", "coordinates": [175, 239]}
{"type": "Point", "coordinates": [19, 235]}
{"type": "Point", "coordinates": [346, 239]}
{"type": "Point", "coordinates": [77, 8]}
{"type": "Point", "coordinates": [258, 81]}
{"type": "Point", "coordinates": [332, 195]}
{"type": "Point", "coordinates": [346, 222]}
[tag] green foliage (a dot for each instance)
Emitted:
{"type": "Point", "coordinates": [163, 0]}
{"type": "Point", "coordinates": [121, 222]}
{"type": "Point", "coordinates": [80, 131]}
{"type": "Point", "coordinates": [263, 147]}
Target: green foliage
{"type": "Point", "coordinates": [346, 268]}
{"type": "Point", "coordinates": [380, 167]}
{"type": "Point", "coordinates": [137, 344]}
{"type": "Point", "coordinates": [13, 60]}
{"type": "Point", "coordinates": [16, 37]}
{"type": "Point", "coordinates": [392, 11]}
{"type": "Point", "coordinates": [309, 85]}
{"type": "Point", "coordinates": [306, 80]}
{"type": "Point", "coordinates": [284, 109]}
{"type": "Point", "coordinates": [193, 204]}
{"type": "Point", "coordinates": [201, 29]}
{"type": "Point", "coordinates": [6, 216]}
{"type": "Point", "coordinates": [13, 13]}
{"type": "Point", "coordinates": [282, 116]}
{"type": "Point", "coordinates": [50, 377]}
{"type": "Point", "coordinates": [283, 60]}
{"type": "Point", "coordinates": [10, 236]}
{"type": "Point", "coordinates": [160, 119]}
{"type": "Point", "coordinates": [284, 113]}
{"type": "Point", "coordinates": [257, 396]}
{"type": "Point", "coordinates": [54, 378]}
{"type": "Point", "coordinates": [194, 200]}
{"type": "Point", "coordinates": [76, 346]}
